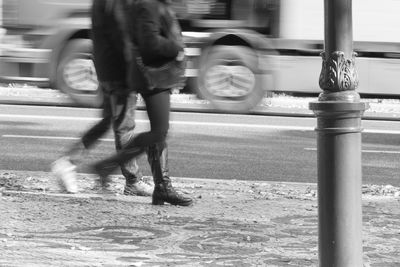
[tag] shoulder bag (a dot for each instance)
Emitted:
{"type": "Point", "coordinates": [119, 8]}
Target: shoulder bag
{"type": "Point", "coordinates": [170, 75]}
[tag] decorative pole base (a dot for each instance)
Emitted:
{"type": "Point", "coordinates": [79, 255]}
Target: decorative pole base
{"type": "Point", "coordinates": [339, 182]}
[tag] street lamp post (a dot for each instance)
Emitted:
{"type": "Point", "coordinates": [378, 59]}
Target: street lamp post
{"type": "Point", "coordinates": [338, 111]}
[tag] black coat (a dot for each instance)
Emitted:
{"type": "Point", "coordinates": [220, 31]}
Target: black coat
{"type": "Point", "coordinates": [108, 51]}
{"type": "Point", "coordinates": [156, 34]}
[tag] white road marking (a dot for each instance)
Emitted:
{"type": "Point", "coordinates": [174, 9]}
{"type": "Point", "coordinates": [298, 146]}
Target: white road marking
{"type": "Point", "coordinates": [364, 151]}
{"type": "Point", "coordinates": [46, 117]}
{"type": "Point", "coordinates": [112, 140]}
{"type": "Point", "coordinates": [192, 123]}
{"type": "Point", "coordinates": [381, 131]}
{"type": "Point", "coordinates": [244, 125]}
{"type": "Point", "coordinates": [216, 124]}
{"type": "Point", "coordinates": [49, 137]}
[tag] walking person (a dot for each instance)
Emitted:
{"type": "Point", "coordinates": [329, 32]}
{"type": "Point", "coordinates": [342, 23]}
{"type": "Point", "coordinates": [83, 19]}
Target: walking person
{"type": "Point", "coordinates": [119, 104]}
{"type": "Point", "coordinates": [149, 26]}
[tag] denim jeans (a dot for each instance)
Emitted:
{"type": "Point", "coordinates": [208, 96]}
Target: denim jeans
{"type": "Point", "coordinates": [118, 112]}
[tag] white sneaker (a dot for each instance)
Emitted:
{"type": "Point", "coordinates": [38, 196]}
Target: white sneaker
{"type": "Point", "coordinates": [65, 172]}
{"type": "Point", "coordinates": [140, 188]}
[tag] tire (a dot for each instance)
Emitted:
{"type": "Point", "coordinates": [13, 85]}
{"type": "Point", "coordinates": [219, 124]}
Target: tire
{"type": "Point", "coordinates": [229, 78]}
{"type": "Point", "coordinates": [76, 75]}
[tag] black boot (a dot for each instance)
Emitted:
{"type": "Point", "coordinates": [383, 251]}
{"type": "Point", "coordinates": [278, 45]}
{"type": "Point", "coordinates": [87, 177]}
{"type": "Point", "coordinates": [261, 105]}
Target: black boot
{"type": "Point", "coordinates": [163, 190]}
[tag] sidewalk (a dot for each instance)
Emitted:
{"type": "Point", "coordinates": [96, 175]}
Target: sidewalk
{"type": "Point", "coordinates": [232, 223]}
{"type": "Point", "coordinates": [279, 104]}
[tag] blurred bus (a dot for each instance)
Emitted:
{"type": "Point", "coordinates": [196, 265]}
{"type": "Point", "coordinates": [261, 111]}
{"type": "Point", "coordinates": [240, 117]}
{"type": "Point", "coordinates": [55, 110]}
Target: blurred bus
{"type": "Point", "coordinates": [238, 49]}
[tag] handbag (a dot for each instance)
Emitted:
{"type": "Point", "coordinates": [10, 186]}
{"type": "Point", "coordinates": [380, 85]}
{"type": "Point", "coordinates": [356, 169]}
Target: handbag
{"type": "Point", "coordinates": [170, 75]}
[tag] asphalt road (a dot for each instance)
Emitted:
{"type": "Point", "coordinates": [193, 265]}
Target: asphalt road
{"type": "Point", "coordinates": [215, 146]}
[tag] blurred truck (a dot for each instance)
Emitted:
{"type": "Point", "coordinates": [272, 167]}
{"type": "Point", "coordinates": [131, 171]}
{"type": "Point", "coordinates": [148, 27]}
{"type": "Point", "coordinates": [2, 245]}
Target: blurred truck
{"type": "Point", "coordinates": [238, 49]}
{"type": "Point", "coordinates": [47, 43]}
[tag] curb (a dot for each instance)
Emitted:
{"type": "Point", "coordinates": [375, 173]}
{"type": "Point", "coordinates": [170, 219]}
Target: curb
{"type": "Point", "coordinates": [45, 183]}
{"type": "Point", "coordinates": [380, 109]}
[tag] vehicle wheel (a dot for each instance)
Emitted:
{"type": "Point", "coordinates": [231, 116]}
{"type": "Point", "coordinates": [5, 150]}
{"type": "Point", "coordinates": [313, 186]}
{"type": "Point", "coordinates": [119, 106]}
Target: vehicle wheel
{"type": "Point", "coordinates": [229, 78]}
{"type": "Point", "coordinates": [76, 75]}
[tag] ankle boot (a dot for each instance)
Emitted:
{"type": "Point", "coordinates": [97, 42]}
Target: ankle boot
{"type": "Point", "coordinates": [163, 190]}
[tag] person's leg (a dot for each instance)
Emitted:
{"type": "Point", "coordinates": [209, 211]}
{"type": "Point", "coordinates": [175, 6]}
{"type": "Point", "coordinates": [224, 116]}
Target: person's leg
{"type": "Point", "coordinates": [123, 108]}
{"type": "Point", "coordinates": [157, 106]}
{"type": "Point", "coordinates": [64, 168]}
{"type": "Point", "coordinates": [158, 110]}
{"type": "Point", "coordinates": [158, 153]}
{"type": "Point", "coordinates": [93, 134]}
{"type": "Point", "coordinates": [163, 189]}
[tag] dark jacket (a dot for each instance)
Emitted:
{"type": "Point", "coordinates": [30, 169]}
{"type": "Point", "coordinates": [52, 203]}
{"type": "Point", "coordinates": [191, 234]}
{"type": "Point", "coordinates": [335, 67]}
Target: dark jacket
{"type": "Point", "coordinates": [155, 32]}
{"type": "Point", "coordinates": [108, 45]}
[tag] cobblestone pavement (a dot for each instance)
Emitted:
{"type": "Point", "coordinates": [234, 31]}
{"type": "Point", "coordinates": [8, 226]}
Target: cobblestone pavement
{"type": "Point", "coordinates": [232, 223]}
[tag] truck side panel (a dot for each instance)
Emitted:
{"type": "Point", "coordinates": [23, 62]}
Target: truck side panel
{"type": "Point", "coordinates": [38, 13]}
{"type": "Point", "coordinates": [373, 21]}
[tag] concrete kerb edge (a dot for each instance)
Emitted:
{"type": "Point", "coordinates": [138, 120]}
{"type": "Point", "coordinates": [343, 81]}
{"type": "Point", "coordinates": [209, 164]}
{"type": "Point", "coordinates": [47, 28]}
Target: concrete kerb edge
{"type": "Point", "coordinates": [276, 106]}
{"type": "Point", "coordinates": [194, 184]}
{"type": "Point", "coordinates": [180, 107]}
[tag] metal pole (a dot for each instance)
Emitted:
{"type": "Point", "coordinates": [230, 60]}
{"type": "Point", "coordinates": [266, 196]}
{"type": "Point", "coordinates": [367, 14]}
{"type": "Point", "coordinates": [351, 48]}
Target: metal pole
{"type": "Point", "coordinates": [338, 111]}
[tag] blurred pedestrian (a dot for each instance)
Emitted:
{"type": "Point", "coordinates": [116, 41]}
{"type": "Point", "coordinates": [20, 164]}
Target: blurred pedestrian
{"type": "Point", "coordinates": [119, 104]}
{"type": "Point", "coordinates": [154, 33]}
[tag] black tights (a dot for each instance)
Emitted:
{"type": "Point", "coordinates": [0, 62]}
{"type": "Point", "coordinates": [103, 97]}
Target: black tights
{"type": "Point", "coordinates": [158, 109]}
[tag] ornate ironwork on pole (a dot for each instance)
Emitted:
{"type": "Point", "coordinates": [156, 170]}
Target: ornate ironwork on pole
{"type": "Point", "coordinates": [338, 73]}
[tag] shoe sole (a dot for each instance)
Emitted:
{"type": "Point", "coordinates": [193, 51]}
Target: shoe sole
{"type": "Point", "coordinates": [127, 193]}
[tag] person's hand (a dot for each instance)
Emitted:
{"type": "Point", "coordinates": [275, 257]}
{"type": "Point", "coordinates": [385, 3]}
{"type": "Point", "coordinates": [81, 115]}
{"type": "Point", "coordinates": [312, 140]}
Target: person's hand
{"type": "Point", "coordinates": [180, 56]}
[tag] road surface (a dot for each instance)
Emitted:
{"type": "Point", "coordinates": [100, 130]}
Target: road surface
{"type": "Point", "coordinates": [215, 146]}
